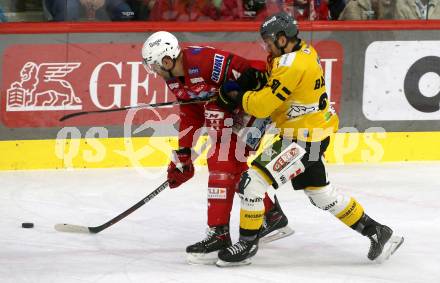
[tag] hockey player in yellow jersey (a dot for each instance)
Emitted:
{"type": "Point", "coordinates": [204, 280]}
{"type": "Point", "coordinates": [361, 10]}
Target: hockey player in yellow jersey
{"type": "Point", "coordinates": [294, 96]}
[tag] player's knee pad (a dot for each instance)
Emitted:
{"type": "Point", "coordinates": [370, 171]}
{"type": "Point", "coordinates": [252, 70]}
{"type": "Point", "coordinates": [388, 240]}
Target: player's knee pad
{"type": "Point", "coordinates": [252, 184]}
{"type": "Point", "coordinates": [221, 191]}
{"type": "Point", "coordinates": [252, 188]}
{"type": "Point", "coordinates": [222, 185]}
{"type": "Point", "coordinates": [328, 198]}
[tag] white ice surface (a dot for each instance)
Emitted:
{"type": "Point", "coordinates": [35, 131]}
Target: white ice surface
{"type": "Point", "coordinates": [149, 245]}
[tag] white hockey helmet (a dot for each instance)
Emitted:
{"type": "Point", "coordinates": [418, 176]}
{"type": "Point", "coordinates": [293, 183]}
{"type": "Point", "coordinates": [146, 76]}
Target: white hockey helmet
{"type": "Point", "coordinates": [157, 46]}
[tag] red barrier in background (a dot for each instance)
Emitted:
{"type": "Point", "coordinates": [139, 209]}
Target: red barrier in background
{"type": "Point", "coordinates": [39, 86]}
{"type": "Point", "coordinates": [110, 27]}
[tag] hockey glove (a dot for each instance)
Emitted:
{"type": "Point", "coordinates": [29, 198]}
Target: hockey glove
{"type": "Point", "coordinates": [252, 79]}
{"type": "Point", "coordinates": [181, 168]}
{"type": "Point", "coordinates": [230, 96]}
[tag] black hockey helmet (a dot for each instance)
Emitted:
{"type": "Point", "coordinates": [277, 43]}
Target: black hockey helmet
{"type": "Point", "coordinates": [277, 24]}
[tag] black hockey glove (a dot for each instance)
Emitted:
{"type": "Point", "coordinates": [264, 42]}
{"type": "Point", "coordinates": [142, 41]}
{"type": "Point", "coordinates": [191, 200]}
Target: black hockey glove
{"type": "Point", "coordinates": [230, 96]}
{"type": "Point", "coordinates": [252, 79]}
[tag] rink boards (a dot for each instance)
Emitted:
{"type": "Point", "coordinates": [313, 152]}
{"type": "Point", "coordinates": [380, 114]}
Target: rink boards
{"type": "Point", "coordinates": [384, 82]}
{"type": "Point", "coordinates": [119, 152]}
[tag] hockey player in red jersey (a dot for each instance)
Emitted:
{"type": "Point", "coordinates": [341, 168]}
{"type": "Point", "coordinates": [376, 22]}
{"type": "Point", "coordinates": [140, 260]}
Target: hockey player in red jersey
{"type": "Point", "coordinates": [195, 73]}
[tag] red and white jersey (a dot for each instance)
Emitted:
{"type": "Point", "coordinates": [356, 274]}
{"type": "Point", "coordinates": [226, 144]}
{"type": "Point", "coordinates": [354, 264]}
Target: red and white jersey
{"type": "Point", "coordinates": [205, 70]}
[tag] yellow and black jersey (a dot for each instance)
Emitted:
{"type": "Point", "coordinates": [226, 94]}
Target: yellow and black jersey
{"type": "Point", "coordinates": [295, 97]}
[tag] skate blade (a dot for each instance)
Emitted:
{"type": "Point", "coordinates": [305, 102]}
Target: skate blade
{"type": "Point", "coordinates": [221, 263]}
{"type": "Point", "coordinates": [199, 258]}
{"type": "Point", "coordinates": [279, 234]}
{"type": "Point", "coordinates": [390, 248]}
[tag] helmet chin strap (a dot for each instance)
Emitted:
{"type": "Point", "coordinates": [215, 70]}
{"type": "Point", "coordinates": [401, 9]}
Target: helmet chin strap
{"type": "Point", "coordinates": [281, 48]}
{"type": "Point", "coordinates": [172, 67]}
{"type": "Point", "coordinates": [170, 71]}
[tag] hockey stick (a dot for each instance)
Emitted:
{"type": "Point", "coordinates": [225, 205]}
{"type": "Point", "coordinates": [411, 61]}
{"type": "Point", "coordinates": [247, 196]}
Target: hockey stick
{"type": "Point", "coordinates": [152, 105]}
{"type": "Point", "coordinates": [70, 228]}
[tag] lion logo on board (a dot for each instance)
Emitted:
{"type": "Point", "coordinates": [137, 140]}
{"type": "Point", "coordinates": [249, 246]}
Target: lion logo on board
{"type": "Point", "coordinates": [42, 87]}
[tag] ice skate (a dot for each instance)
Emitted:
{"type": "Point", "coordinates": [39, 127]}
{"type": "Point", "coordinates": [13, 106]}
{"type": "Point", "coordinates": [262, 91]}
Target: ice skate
{"type": "Point", "coordinates": [275, 225]}
{"type": "Point", "coordinates": [205, 251]}
{"type": "Point", "coordinates": [238, 254]}
{"type": "Point", "coordinates": [383, 243]}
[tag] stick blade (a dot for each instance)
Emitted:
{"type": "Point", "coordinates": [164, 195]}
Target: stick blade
{"type": "Point", "coordinates": [70, 228]}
